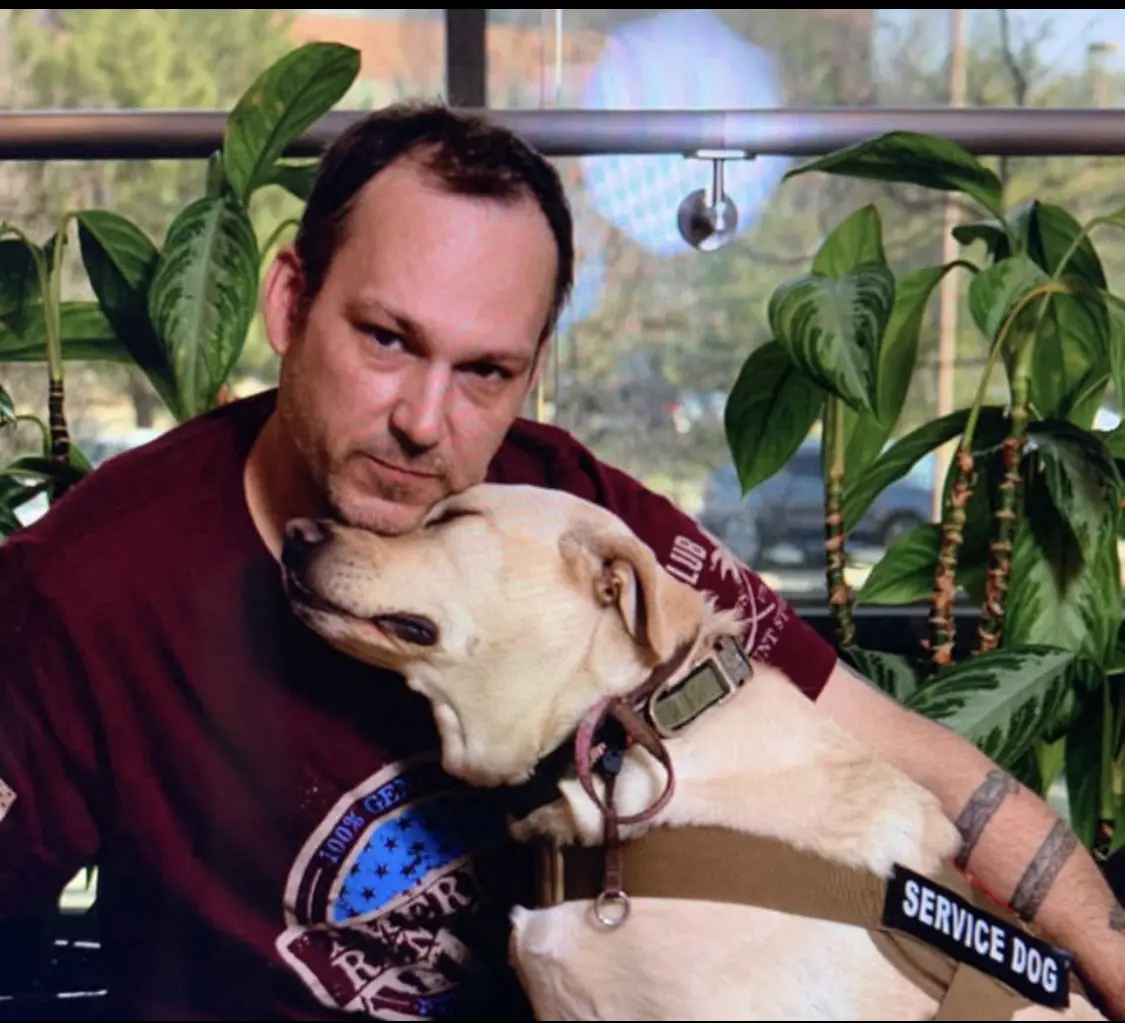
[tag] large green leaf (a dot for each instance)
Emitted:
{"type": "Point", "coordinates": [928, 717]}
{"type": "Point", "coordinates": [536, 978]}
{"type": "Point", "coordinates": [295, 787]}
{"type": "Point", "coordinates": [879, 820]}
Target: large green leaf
{"type": "Point", "coordinates": [1052, 233]}
{"type": "Point", "coordinates": [905, 572]}
{"type": "Point", "coordinates": [1069, 324]}
{"type": "Point", "coordinates": [282, 102]}
{"type": "Point", "coordinates": [1115, 309]}
{"type": "Point", "coordinates": [856, 240]}
{"type": "Point", "coordinates": [1075, 606]}
{"type": "Point", "coordinates": [1042, 231]}
{"type": "Point", "coordinates": [296, 178]}
{"type": "Point", "coordinates": [120, 262]}
{"type": "Point", "coordinates": [868, 434]}
{"type": "Point", "coordinates": [1000, 700]}
{"type": "Point", "coordinates": [9, 523]}
{"type": "Point", "coordinates": [833, 329]}
{"type": "Point", "coordinates": [905, 453]}
{"type": "Point", "coordinates": [19, 282]}
{"type": "Point", "coordinates": [1071, 366]}
{"type": "Point", "coordinates": [1082, 617]}
{"type": "Point", "coordinates": [40, 469]}
{"type": "Point", "coordinates": [1089, 765]}
{"type": "Point", "coordinates": [991, 231]}
{"type": "Point", "coordinates": [895, 675]}
{"type": "Point", "coordinates": [996, 291]}
{"type": "Point", "coordinates": [912, 158]}
{"type": "Point", "coordinates": [27, 477]}
{"type": "Point", "coordinates": [203, 297]}
{"type": "Point", "coordinates": [86, 336]}
{"type": "Point", "coordinates": [1073, 495]}
{"type": "Point", "coordinates": [770, 410]}
{"type": "Point", "coordinates": [1072, 357]}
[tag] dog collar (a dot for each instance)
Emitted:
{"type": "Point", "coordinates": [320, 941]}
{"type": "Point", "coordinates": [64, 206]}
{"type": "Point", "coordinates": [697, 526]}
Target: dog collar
{"type": "Point", "coordinates": [671, 706]}
{"type": "Point", "coordinates": [666, 703]}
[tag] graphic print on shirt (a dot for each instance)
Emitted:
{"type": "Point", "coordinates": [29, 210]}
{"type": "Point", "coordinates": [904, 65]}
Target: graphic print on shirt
{"type": "Point", "coordinates": [7, 799]}
{"type": "Point", "coordinates": [765, 616]}
{"type": "Point", "coordinates": [372, 900]}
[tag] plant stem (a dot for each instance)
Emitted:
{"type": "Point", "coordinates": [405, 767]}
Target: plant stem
{"type": "Point", "coordinates": [942, 629]}
{"type": "Point", "coordinates": [839, 596]}
{"type": "Point", "coordinates": [991, 629]}
{"type": "Point", "coordinates": [274, 236]}
{"type": "Point", "coordinates": [56, 389]}
{"type": "Point", "coordinates": [44, 431]}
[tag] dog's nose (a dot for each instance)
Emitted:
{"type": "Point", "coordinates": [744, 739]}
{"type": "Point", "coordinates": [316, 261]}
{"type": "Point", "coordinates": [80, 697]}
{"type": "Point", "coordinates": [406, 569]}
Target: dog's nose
{"type": "Point", "coordinates": [303, 538]}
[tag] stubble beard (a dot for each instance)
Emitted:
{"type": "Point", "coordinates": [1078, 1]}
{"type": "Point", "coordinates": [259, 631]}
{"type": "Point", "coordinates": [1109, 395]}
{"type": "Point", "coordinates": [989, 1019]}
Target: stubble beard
{"type": "Point", "coordinates": [371, 509]}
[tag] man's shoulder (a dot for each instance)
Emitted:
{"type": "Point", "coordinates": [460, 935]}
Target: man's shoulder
{"type": "Point", "coordinates": [153, 500]}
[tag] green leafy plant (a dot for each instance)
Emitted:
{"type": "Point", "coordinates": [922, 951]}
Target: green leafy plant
{"type": "Point", "coordinates": [1031, 503]}
{"type": "Point", "coordinates": [30, 277]}
{"type": "Point", "coordinates": [181, 310]}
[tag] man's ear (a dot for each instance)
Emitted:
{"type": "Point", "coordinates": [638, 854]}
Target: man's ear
{"type": "Point", "coordinates": [281, 292]}
{"type": "Point", "coordinates": [658, 610]}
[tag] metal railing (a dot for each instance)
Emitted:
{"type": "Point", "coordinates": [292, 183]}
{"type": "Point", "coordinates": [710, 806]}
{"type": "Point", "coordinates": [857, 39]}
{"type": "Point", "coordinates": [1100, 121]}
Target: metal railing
{"type": "Point", "coordinates": [986, 131]}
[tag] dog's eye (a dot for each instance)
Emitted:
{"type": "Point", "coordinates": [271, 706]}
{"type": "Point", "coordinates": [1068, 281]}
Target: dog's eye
{"type": "Point", "coordinates": [410, 628]}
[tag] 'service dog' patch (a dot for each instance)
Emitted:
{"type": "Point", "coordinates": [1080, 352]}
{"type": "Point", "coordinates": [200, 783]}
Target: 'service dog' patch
{"type": "Point", "coordinates": [932, 913]}
{"type": "Point", "coordinates": [7, 799]}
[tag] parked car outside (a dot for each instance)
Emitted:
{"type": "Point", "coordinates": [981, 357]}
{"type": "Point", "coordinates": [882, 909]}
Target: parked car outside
{"type": "Point", "coordinates": [788, 508]}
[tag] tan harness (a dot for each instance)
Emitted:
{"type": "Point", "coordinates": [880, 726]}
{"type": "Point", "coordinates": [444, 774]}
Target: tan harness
{"type": "Point", "coordinates": [695, 863]}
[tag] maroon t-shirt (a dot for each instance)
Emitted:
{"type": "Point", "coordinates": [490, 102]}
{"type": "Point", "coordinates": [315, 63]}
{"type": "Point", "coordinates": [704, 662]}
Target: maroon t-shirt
{"type": "Point", "coordinates": [275, 837]}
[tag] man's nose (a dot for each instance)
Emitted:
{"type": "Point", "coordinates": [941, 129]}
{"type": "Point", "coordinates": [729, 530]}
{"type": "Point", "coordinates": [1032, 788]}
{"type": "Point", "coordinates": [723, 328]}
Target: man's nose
{"type": "Point", "coordinates": [303, 538]}
{"type": "Point", "coordinates": [419, 415]}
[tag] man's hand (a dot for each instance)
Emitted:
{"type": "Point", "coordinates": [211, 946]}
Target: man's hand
{"type": "Point", "coordinates": [1013, 842]}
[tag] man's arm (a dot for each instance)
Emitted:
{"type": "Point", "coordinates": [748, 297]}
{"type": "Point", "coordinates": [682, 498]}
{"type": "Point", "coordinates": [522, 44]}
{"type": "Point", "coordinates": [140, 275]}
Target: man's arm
{"type": "Point", "coordinates": [1013, 841]}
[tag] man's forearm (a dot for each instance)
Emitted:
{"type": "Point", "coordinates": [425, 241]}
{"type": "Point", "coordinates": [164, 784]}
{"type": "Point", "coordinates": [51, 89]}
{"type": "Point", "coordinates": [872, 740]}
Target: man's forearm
{"type": "Point", "coordinates": [1024, 854]}
{"type": "Point", "coordinates": [1012, 841]}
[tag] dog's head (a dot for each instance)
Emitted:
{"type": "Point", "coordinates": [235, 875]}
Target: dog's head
{"type": "Point", "coordinates": [512, 609]}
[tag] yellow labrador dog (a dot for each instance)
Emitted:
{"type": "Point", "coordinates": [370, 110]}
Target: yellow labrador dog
{"type": "Point", "coordinates": [518, 610]}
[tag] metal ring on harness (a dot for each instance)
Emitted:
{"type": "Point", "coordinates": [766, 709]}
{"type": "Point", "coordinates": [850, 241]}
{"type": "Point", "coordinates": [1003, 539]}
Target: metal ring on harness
{"type": "Point", "coordinates": [612, 907]}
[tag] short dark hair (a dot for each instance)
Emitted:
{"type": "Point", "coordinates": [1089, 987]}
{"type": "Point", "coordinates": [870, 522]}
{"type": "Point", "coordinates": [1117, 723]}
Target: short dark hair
{"type": "Point", "coordinates": [466, 153]}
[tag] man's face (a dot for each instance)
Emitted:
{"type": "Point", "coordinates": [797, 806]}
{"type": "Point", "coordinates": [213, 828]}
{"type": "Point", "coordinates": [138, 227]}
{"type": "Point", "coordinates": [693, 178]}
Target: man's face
{"type": "Point", "coordinates": [417, 354]}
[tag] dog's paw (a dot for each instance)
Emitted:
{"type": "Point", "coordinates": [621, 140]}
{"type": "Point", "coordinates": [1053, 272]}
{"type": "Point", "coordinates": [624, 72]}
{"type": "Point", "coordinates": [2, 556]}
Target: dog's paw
{"type": "Point", "coordinates": [877, 818]}
{"type": "Point", "coordinates": [551, 821]}
{"type": "Point", "coordinates": [909, 829]}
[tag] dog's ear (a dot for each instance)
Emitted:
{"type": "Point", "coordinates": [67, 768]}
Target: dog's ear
{"type": "Point", "coordinates": [658, 610]}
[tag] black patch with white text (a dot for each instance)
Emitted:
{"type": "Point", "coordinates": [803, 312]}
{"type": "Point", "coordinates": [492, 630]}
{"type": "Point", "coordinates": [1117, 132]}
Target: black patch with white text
{"type": "Point", "coordinates": [932, 913]}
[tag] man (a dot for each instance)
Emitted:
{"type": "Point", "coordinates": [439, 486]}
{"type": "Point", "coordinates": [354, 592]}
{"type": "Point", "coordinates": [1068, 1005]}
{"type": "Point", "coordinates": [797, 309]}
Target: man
{"type": "Point", "coordinates": [274, 834]}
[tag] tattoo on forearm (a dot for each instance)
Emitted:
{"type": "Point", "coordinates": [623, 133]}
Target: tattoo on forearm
{"type": "Point", "coordinates": [1117, 919]}
{"type": "Point", "coordinates": [1043, 869]}
{"type": "Point", "coordinates": [983, 803]}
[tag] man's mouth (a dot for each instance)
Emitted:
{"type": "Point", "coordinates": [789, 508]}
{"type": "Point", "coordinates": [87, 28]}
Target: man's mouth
{"type": "Point", "coordinates": [400, 470]}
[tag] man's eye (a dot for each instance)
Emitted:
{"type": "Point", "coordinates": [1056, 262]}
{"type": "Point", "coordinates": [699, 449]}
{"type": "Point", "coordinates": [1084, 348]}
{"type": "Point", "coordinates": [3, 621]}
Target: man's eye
{"type": "Point", "coordinates": [487, 371]}
{"type": "Point", "coordinates": [382, 337]}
